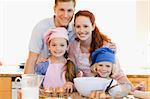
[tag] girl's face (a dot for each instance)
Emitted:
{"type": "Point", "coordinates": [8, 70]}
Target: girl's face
{"type": "Point", "coordinates": [58, 47]}
{"type": "Point", "coordinates": [104, 69]}
{"type": "Point", "coordinates": [83, 28]}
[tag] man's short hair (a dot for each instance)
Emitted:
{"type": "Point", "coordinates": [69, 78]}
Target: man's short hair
{"type": "Point", "coordinates": [56, 1]}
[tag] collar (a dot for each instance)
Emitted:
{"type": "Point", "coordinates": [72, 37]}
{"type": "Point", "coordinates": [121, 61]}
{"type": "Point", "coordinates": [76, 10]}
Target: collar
{"type": "Point", "coordinates": [52, 24]}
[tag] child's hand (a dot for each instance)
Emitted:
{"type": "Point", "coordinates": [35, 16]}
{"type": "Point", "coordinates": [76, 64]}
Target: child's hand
{"type": "Point", "coordinates": [68, 87]}
{"type": "Point", "coordinates": [80, 73]}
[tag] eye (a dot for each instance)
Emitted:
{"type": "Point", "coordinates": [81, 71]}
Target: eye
{"type": "Point", "coordinates": [86, 26]}
{"type": "Point", "coordinates": [62, 45]}
{"type": "Point", "coordinates": [54, 45]}
{"type": "Point", "coordinates": [77, 26]}
{"type": "Point", "coordinates": [107, 65]}
{"type": "Point", "coordinates": [61, 9]}
{"type": "Point", "coordinates": [100, 65]}
{"type": "Point", "coordinates": [70, 10]}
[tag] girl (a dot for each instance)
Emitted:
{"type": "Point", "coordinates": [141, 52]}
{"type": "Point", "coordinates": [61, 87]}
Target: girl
{"type": "Point", "coordinates": [103, 62]}
{"type": "Point", "coordinates": [58, 70]}
{"type": "Point", "coordinates": [103, 65]}
{"type": "Point", "coordinates": [88, 39]}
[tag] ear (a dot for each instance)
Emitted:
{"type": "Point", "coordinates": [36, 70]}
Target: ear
{"type": "Point", "coordinates": [114, 69]}
{"type": "Point", "coordinates": [67, 48]}
{"type": "Point", "coordinates": [48, 45]}
{"type": "Point", "coordinates": [94, 67]}
{"type": "Point", "coordinates": [54, 8]}
{"type": "Point", "coordinates": [93, 26]}
{"type": "Point", "coordinates": [49, 48]}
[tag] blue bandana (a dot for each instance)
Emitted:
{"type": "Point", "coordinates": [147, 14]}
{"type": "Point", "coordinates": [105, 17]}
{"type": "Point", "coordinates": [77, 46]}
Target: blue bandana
{"type": "Point", "coordinates": [103, 54]}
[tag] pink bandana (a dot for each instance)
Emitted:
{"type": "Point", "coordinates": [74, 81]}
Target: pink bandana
{"type": "Point", "coordinates": [59, 32]}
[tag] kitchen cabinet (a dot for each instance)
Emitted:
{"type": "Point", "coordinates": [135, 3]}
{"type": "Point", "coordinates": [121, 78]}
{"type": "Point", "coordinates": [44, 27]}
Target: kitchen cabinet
{"type": "Point", "coordinates": [5, 88]}
{"type": "Point", "coordinates": [6, 75]}
{"type": "Point", "coordinates": [137, 79]}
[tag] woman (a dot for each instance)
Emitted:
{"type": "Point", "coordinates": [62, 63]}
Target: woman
{"type": "Point", "coordinates": [88, 39]}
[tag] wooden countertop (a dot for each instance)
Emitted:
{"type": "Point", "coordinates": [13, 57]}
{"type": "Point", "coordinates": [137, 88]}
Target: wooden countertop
{"type": "Point", "coordinates": [16, 71]}
{"type": "Point", "coordinates": [137, 72]}
{"type": "Point", "coordinates": [10, 71]}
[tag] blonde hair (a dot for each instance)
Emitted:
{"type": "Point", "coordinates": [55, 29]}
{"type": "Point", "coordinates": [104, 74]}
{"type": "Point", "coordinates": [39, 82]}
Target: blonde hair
{"type": "Point", "coordinates": [113, 71]}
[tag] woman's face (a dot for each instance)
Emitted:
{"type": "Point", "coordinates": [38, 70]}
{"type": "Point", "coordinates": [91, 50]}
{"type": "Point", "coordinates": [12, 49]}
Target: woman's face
{"type": "Point", "coordinates": [58, 47]}
{"type": "Point", "coordinates": [83, 28]}
{"type": "Point", "coordinates": [104, 69]}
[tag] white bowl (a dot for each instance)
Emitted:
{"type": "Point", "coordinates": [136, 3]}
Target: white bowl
{"type": "Point", "coordinates": [85, 85]}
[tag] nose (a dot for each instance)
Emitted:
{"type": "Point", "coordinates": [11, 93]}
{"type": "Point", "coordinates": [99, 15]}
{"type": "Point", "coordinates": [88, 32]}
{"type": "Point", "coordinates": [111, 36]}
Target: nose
{"type": "Point", "coordinates": [57, 47]}
{"type": "Point", "coordinates": [82, 30]}
{"type": "Point", "coordinates": [104, 68]}
{"type": "Point", "coordinates": [65, 14]}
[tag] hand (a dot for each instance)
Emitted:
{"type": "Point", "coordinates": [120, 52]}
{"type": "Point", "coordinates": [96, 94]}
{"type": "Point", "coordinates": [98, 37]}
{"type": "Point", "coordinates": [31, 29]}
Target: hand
{"type": "Point", "coordinates": [80, 73]}
{"type": "Point", "coordinates": [111, 45]}
{"type": "Point", "coordinates": [19, 94]}
{"type": "Point", "coordinates": [140, 87]}
{"type": "Point", "coordinates": [68, 87]}
{"type": "Point", "coordinates": [0, 63]}
{"type": "Point", "coordinates": [41, 59]}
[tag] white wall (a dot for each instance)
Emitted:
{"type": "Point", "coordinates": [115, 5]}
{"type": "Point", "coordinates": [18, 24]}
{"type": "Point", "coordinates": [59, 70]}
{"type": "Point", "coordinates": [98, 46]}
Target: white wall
{"type": "Point", "coordinates": [116, 18]}
{"type": "Point", "coordinates": [18, 18]}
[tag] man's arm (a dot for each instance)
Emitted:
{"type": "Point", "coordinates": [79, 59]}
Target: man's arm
{"type": "Point", "coordinates": [0, 63]}
{"type": "Point", "coordinates": [30, 63]}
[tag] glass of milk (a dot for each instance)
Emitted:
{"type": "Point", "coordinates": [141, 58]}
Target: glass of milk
{"type": "Point", "coordinates": [29, 86]}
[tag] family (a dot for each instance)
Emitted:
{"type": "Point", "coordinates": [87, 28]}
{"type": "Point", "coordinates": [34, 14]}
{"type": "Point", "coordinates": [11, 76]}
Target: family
{"type": "Point", "coordinates": [62, 50]}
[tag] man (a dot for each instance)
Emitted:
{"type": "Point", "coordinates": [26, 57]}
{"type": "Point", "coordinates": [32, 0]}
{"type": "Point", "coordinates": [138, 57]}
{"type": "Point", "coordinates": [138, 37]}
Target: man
{"type": "Point", "coordinates": [64, 11]}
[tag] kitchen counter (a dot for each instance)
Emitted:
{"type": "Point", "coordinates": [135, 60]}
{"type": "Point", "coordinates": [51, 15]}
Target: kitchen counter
{"type": "Point", "coordinates": [139, 75]}
{"type": "Point", "coordinates": [15, 70]}
{"type": "Point", "coordinates": [6, 75]}
{"type": "Point", "coordinates": [10, 71]}
{"type": "Point", "coordinates": [144, 71]}
{"type": "Point", "coordinates": [135, 75]}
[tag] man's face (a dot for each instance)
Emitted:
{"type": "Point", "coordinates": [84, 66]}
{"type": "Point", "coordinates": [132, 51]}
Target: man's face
{"type": "Point", "coordinates": [64, 12]}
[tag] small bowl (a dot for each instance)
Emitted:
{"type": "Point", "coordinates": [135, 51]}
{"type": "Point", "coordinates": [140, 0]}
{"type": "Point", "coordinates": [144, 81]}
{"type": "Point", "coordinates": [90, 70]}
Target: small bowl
{"type": "Point", "coordinates": [120, 90]}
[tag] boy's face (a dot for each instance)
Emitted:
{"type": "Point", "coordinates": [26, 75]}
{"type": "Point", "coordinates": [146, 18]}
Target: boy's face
{"type": "Point", "coordinates": [104, 69]}
{"type": "Point", "coordinates": [64, 12]}
{"type": "Point", "coordinates": [58, 47]}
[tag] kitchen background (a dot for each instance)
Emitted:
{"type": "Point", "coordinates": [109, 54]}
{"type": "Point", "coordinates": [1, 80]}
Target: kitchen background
{"type": "Point", "coordinates": [125, 21]}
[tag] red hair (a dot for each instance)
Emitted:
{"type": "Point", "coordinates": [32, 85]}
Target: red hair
{"type": "Point", "coordinates": [98, 38]}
